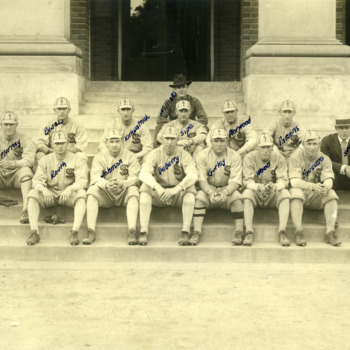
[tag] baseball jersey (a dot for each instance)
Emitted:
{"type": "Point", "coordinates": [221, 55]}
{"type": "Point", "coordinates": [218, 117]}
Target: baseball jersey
{"type": "Point", "coordinates": [75, 132]}
{"type": "Point", "coordinates": [275, 169]}
{"type": "Point", "coordinates": [136, 136]}
{"type": "Point", "coordinates": [239, 137]}
{"type": "Point", "coordinates": [59, 174]}
{"type": "Point", "coordinates": [190, 130]}
{"type": "Point", "coordinates": [169, 113]}
{"type": "Point", "coordinates": [219, 171]}
{"type": "Point", "coordinates": [124, 167]}
{"type": "Point", "coordinates": [169, 171]}
{"type": "Point", "coordinates": [20, 148]}
{"type": "Point", "coordinates": [316, 170]}
{"type": "Point", "coordinates": [287, 139]}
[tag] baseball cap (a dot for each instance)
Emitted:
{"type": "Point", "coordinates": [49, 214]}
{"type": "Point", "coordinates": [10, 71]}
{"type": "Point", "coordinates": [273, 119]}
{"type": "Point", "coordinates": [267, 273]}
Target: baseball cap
{"type": "Point", "coordinates": [218, 134]}
{"type": "Point", "coordinates": [113, 134]}
{"type": "Point", "coordinates": [228, 105]}
{"type": "Point", "coordinates": [310, 135]}
{"type": "Point", "coordinates": [265, 140]}
{"type": "Point", "coordinates": [61, 102]}
{"type": "Point", "coordinates": [170, 132]}
{"type": "Point", "coordinates": [59, 137]}
{"type": "Point", "coordinates": [183, 104]}
{"type": "Point", "coordinates": [287, 105]}
{"type": "Point", "coordinates": [125, 103]}
{"type": "Point", "coordinates": [9, 117]}
{"type": "Point", "coordinates": [342, 121]}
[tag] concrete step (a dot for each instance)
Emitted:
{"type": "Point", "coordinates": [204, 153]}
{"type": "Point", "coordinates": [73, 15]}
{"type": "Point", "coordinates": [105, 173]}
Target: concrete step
{"type": "Point", "coordinates": [160, 87]}
{"type": "Point", "coordinates": [160, 252]}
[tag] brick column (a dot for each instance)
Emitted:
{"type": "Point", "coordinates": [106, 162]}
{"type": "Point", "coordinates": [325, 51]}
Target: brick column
{"type": "Point", "coordinates": [38, 63]}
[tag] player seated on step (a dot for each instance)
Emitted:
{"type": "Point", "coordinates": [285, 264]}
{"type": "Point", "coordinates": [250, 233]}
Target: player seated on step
{"type": "Point", "coordinates": [134, 131]}
{"type": "Point", "coordinates": [168, 111]}
{"type": "Point", "coordinates": [76, 133]}
{"type": "Point", "coordinates": [17, 160]}
{"type": "Point", "coordinates": [311, 177]}
{"type": "Point", "coordinates": [286, 132]}
{"type": "Point", "coordinates": [220, 176]}
{"type": "Point", "coordinates": [241, 135]}
{"type": "Point", "coordinates": [114, 178]}
{"type": "Point", "coordinates": [61, 179]}
{"type": "Point", "coordinates": [192, 134]}
{"type": "Point", "coordinates": [337, 148]}
{"type": "Point", "coordinates": [266, 181]}
{"type": "Point", "coordinates": [168, 175]}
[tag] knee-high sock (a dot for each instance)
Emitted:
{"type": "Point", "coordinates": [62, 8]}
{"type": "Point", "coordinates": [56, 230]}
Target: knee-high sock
{"type": "Point", "coordinates": [187, 211]}
{"type": "Point", "coordinates": [330, 212]}
{"type": "Point", "coordinates": [79, 212]}
{"type": "Point", "coordinates": [145, 210]}
{"type": "Point", "coordinates": [25, 188]}
{"type": "Point", "coordinates": [132, 210]}
{"type": "Point", "coordinates": [198, 215]}
{"type": "Point", "coordinates": [297, 208]}
{"type": "Point", "coordinates": [92, 212]}
{"type": "Point", "coordinates": [248, 214]}
{"type": "Point", "coordinates": [237, 213]}
{"type": "Point", "coordinates": [33, 213]}
{"type": "Point", "coordinates": [283, 213]}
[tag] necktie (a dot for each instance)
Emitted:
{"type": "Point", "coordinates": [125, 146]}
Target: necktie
{"type": "Point", "coordinates": [343, 149]}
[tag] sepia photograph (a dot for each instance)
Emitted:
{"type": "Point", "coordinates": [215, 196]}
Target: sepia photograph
{"type": "Point", "coordinates": [174, 174]}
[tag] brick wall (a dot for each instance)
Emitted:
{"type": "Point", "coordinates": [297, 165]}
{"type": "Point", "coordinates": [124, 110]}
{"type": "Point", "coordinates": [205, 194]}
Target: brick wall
{"type": "Point", "coordinates": [227, 31]}
{"type": "Point", "coordinates": [80, 30]}
{"type": "Point", "coordinates": [249, 28]}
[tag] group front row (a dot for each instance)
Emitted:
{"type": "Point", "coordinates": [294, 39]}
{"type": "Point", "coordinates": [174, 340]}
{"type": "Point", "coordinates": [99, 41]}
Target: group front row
{"type": "Point", "coordinates": [169, 176]}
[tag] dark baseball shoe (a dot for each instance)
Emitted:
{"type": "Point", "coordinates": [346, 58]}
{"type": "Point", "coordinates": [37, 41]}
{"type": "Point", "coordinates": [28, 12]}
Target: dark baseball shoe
{"type": "Point", "coordinates": [184, 239]}
{"type": "Point", "coordinates": [143, 240]}
{"type": "Point", "coordinates": [237, 238]}
{"type": "Point", "coordinates": [248, 239]}
{"type": "Point", "coordinates": [299, 239]}
{"type": "Point", "coordinates": [282, 238]}
{"type": "Point", "coordinates": [132, 240]}
{"type": "Point", "coordinates": [332, 238]}
{"type": "Point", "coordinates": [24, 219]}
{"type": "Point", "coordinates": [194, 238]}
{"type": "Point", "coordinates": [73, 238]}
{"type": "Point", "coordinates": [33, 238]}
{"type": "Point", "coordinates": [89, 237]}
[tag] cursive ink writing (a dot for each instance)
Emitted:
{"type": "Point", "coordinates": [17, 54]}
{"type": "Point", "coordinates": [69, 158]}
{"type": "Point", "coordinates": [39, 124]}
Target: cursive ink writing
{"type": "Point", "coordinates": [288, 136]}
{"type": "Point", "coordinates": [139, 123]}
{"type": "Point", "coordinates": [217, 166]}
{"type": "Point", "coordinates": [48, 129]}
{"type": "Point", "coordinates": [55, 172]}
{"type": "Point", "coordinates": [113, 167]}
{"type": "Point", "coordinates": [15, 144]}
{"type": "Point", "coordinates": [261, 170]}
{"type": "Point", "coordinates": [185, 132]}
{"type": "Point", "coordinates": [234, 131]}
{"type": "Point", "coordinates": [168, 164]}
{"type": "Point", "coordinates": [313, 166]}
{"type": "Point", "coordinates": [167, 103]}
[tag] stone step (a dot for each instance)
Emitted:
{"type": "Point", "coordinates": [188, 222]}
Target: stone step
{"type": "Point", "coordinates": [160, 87]}
{"type": "Point", "coordinates": [11, 230]}
{"type": "Point", "coordinates": [139, 98]}
{"type": "Point", "coordinates": [161, 252]}
{"type": "Point", "coordinates": [151, 109]}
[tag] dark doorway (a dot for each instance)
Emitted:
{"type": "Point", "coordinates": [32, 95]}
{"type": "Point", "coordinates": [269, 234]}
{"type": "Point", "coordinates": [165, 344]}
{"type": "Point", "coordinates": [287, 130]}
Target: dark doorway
{"type": "Point", "coordinates": [164, 37]}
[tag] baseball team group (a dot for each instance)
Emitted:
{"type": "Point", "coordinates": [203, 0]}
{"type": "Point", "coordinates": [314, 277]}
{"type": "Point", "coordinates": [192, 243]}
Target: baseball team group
{"type": "Point", "coordinates": [186, 164]}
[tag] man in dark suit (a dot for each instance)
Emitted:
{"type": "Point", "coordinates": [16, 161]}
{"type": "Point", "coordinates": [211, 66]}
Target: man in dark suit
{"type": "Point", "coordinates": [337, 148]}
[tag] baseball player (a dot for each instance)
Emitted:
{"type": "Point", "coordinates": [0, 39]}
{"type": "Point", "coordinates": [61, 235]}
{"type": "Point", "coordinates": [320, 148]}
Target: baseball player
{"type": "Point", "coordinates": [114, 178]}
{"type": "Point", "coordinates": [17, 159]}
{"type": "Point", "coordinates": [168, 110]}
{"type": "Point", "coordinates": [266, 181]}
{"type": "Point", "coordinates": [76, 133]}
{"type": "Point", "coordinates": [287, 133]}
{"type": "Point", "coordinates": [168, 175]}
{"type": "Point", "coordinates": [135, 133]}
{"type": "Point", "coordinates": [220, 176]}
{"type": "Point", "coordinates": [192, 134]}
{"type": "Point", "coordinates": [61, 179]}
{"type": "Point", "coordinates": [241, 135]}
{"type": "Point", "coordinates": [311, 177]}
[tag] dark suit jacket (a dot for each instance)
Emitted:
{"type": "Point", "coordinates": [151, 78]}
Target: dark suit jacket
{"type": "Point", "coordinates": [331, 147]}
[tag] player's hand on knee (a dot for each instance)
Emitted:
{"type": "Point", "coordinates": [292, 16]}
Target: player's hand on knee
{"type": "Point", "coordinates": [65, 196]}
{"type": "Point", "coordinates": [48, 197]}
{"type": "Point", "coordinates": [110, 185]}
{"type": "Point", "coordinates": [160, 190]}
{"type": "Point", "coordinates": [347, 171]}
{"type": "Point", "coordinates": [218, 197]}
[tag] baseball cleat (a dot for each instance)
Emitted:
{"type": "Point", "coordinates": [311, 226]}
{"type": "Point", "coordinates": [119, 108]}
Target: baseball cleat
{"type": "Point", "coordinates": [184, 239]}
{"type": "Point", "coordinates": [73, 238]}
{"type": "Point", "coordinates": [132, 240]}
{"type": "Point", "coordinates": [248, 239]}
{"type": "Point", "coordinates": [89, 237]}
{"type": "Point", "coordinates": [33, 238]}
{"type": "Point", "coordinates": [24, 219]}
{"type": "Point", "coordinates": [237, 238]}
{"type": "Point", "coordinates": [143, 240]}
{"type": "Point", "coordinates": [332, 238]}
{"type": "Point", "coordinates": [194, 238]}
{"type": "Point", "coordinates": [299, 239]}
{"type": "Point", "coordinates": [282, 238]}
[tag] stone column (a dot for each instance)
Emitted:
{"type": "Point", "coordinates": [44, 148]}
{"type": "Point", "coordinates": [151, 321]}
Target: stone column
{"type": "Point", "coordinates": [38, 63]}
{"type": "Point", "coordinates": [298, 57]}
